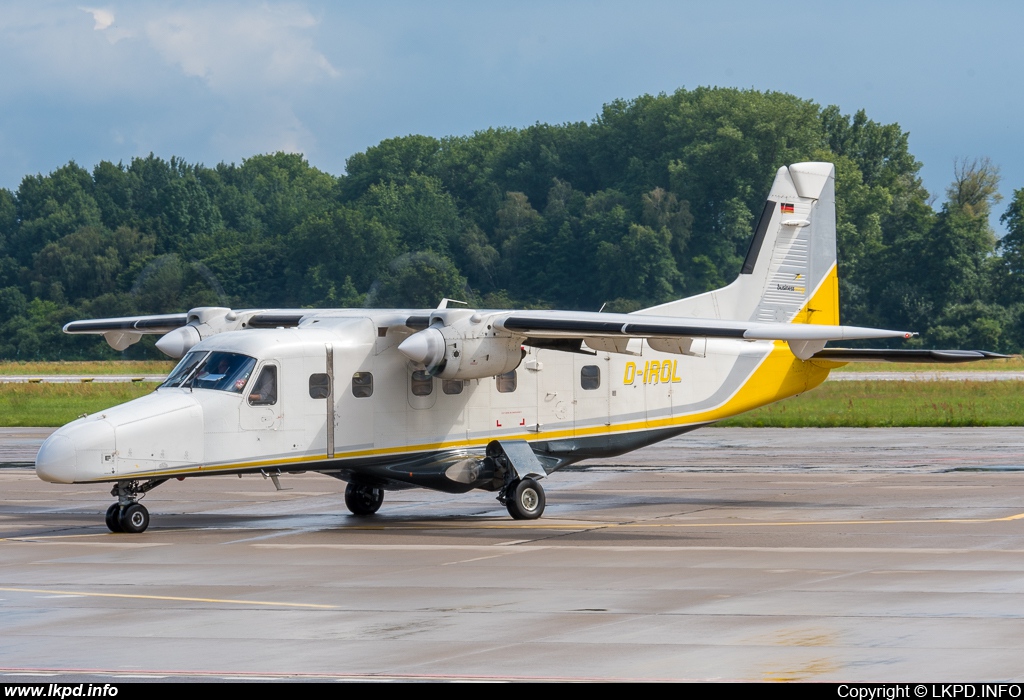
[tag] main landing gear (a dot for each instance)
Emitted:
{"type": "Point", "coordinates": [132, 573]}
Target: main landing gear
{"type": "Point", "coordinates": [363, 500]}
{"type": "Point", "coordinates": [516, 464]}
{"type": "Point", "coordinates": [128, 515]}
{"type": "Point", "coordinates": [524, 499]}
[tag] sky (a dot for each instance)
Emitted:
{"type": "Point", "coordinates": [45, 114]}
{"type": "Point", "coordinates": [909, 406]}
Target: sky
{"type": "Point", "coordinates": [223, 81]}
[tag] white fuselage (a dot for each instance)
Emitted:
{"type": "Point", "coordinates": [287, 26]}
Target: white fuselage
{"type": "Point", "coordinates": [578, 405]}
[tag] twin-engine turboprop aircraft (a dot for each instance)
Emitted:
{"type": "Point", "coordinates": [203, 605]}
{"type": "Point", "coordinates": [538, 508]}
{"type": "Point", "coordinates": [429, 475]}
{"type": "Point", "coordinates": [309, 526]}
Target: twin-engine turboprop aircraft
{"type": "Point", "coordinates": [455, 399]}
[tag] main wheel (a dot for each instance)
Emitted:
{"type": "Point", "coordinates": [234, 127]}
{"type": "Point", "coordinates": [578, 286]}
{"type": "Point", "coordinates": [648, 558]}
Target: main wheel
{"type": "Point", "coordinates": [134, 518]}
{"type": "Point", "coordinates": [526, 500]}
{"type": "Point", "coordinates": [363, 500]}
{"type": "Point", "coordinates": [114, 518]}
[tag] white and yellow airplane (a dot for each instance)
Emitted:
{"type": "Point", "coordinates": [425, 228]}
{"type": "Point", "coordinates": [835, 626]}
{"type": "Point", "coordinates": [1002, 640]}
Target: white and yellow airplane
{"type": "Point", "coordinates": [455, 399]}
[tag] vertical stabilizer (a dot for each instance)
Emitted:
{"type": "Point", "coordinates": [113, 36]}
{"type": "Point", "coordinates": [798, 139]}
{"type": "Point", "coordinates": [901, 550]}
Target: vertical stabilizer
{"type": "Point", "coordinates": [789, 273]}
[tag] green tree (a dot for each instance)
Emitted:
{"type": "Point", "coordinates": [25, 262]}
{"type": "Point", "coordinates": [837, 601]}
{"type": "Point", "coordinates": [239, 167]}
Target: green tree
{"type": "Point", "coordinates": [337, 248]}
{"type": "Point", "coordinates": [50, 207]}
{"type": "Point", "coordinates": [425, 216]}
{"type": "Point", "coordinates": [1010, 283]}
{"type": "Point", "coordinates": [418, 281]}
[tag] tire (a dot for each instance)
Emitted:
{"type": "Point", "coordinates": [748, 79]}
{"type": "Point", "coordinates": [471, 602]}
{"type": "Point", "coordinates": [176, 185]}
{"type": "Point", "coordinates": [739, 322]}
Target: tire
{"type": "Point", "coordinates": [526, 501]}
{"type": "Point", "coordinates": [134, 518]}
{"type": "Point", "coordinates": [363, 500]}
{"type": "Point", "coordinates": [114, 518]}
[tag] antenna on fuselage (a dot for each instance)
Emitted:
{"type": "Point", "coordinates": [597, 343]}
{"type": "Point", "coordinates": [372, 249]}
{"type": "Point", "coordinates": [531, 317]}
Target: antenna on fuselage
{"type": "Point", "coordinates": [444, 303]}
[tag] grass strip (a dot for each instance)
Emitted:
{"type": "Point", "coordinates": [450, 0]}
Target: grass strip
{"type": "Point", "coordinates": [52, 405]}
{"type": "Point", "coordinates": [1014, 363]}
{"type": "Point", "coordinates": [884, 404]}
{"type": "Point", "coordinates": [127, 367]}
{"type": "Point", "coordinates": [855, 404]}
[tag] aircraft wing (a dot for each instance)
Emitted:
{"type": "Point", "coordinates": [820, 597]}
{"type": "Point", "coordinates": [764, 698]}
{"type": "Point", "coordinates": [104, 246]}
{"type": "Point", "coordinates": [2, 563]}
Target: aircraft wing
{"type": "Point", "coordinates": [182, 331]}
{"type": "Point", "coordinates": [563, 324]}
{"type": "Point", "coordinates": [612, 332]}
{"type": "Point", "coordinates": [122, 332]}
{"type": "Point", "coordinates": [143, 325]}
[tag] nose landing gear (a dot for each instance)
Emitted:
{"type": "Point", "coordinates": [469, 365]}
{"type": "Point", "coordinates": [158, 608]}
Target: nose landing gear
{"type": "Point", "coordinates": [114, 517]}
{"type": "Point", "coordinates": [132, 518]}
{"type": "Point", "coordinates": [128, 515]}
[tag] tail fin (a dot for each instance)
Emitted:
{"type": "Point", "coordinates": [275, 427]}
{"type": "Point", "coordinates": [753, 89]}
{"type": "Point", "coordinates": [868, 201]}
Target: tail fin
{"type": "Point", "coordinates": [789, 274]}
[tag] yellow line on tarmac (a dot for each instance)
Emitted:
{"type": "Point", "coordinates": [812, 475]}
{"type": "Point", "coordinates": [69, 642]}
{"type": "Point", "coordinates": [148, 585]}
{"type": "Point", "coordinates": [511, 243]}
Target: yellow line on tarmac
{"type": "Point", "coordinates": [600, 525]}
{"type": "Point", "coordinates": [167, 597]}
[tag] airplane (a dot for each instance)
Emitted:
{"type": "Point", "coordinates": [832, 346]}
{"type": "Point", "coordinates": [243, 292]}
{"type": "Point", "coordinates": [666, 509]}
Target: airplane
{"type": "Point", "coordinates": [456, 399]}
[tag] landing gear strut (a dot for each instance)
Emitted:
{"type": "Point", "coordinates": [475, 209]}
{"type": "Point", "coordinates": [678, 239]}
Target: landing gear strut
{"type": "Point", "coordinates": [363, 500]}
{"type": "Point", "coordinates": [128, 515]}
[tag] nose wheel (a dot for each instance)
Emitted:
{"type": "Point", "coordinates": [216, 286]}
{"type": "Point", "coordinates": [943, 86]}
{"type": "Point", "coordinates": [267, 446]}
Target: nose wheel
{"type": "Point", "coordinates": [525, 500]}
{"type": "Point", "coordinates": [114, 517]}
{"type": "Point", "coordinates": [133, 518]}
{"type": "Point", "coordinates": [128, 515]}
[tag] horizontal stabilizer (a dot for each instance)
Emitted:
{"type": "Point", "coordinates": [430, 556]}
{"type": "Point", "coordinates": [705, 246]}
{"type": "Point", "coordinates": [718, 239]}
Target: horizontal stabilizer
{"type": "Point", "coordinates": [872, 355]}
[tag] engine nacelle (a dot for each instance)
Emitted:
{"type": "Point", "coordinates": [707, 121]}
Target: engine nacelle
{"type": "Point", "coordinates": [203, 322]}
{"type": "Point", "coordinates": [466, 349]}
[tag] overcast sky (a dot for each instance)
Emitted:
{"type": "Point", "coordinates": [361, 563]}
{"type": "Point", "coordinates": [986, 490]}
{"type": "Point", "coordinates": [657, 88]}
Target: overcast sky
{"type": "Point", "coordinates": [221, 81]}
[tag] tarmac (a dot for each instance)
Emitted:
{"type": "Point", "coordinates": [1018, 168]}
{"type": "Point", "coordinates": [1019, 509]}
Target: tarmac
{"type": "Point", "coordinates": [865, 555]}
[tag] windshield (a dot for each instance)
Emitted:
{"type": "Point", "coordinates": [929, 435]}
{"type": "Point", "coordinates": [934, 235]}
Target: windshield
{"type": "Point", "coordinates": [221, 371]}
{"type": "Point", "coordinates": [184, 369]}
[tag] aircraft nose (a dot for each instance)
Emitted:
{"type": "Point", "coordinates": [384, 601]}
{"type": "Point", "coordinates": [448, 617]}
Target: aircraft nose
{"type": "Point", "coordinates": [77, 452]}
{"type": "Point", "coordinates": [57, 460]}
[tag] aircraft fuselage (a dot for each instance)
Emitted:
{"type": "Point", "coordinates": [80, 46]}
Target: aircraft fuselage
{"type": "Point", "coordinates": [348, 403]}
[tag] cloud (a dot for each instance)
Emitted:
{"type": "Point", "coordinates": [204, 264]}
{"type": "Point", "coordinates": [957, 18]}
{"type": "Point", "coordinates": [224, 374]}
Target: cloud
{"type": "Point", "coordinates": [242, 47]}
{"type": "Point", "coordinates": [102, 18]}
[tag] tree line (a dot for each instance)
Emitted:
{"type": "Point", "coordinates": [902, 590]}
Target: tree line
{"type": "Point", "coordinates": [652, 200]}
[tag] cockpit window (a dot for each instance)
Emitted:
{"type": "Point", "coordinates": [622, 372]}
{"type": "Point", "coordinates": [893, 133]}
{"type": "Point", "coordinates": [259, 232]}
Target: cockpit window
{"type": "Point", "coordinates": [222, 371]}
{"type": "Point", "coordinates": [185, 368]}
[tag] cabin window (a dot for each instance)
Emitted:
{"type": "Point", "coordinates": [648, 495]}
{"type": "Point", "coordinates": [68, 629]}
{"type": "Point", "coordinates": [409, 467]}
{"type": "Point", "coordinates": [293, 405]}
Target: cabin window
{"type": "Point", "coordinates": [362, 385]}
{"type": "Point", "coordinates": [506, 382]}
{"type": "Point", "coordinates": [264, 391]}
{"type": "Point", "coordinates": [590, 377]}
{"type": "Point", "coordinates": [422, 384]}
{"type": "Point", "coordinates": [452, 386]}
{"type": "Point", "coordinates": [319, 386]}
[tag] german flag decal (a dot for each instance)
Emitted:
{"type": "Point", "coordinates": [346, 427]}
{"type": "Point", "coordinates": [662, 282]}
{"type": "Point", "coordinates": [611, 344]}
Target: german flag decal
{"type": "Point", "coordinates": [786, 208]}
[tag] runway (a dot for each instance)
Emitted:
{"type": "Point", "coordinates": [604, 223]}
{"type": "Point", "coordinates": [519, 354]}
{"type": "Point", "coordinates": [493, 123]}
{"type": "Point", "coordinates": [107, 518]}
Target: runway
{"type": "Point", "coordinates": [729, 554]}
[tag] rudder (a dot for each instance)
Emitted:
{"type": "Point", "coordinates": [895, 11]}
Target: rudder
{"type": "Point", "coordinates": [789, 273]}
